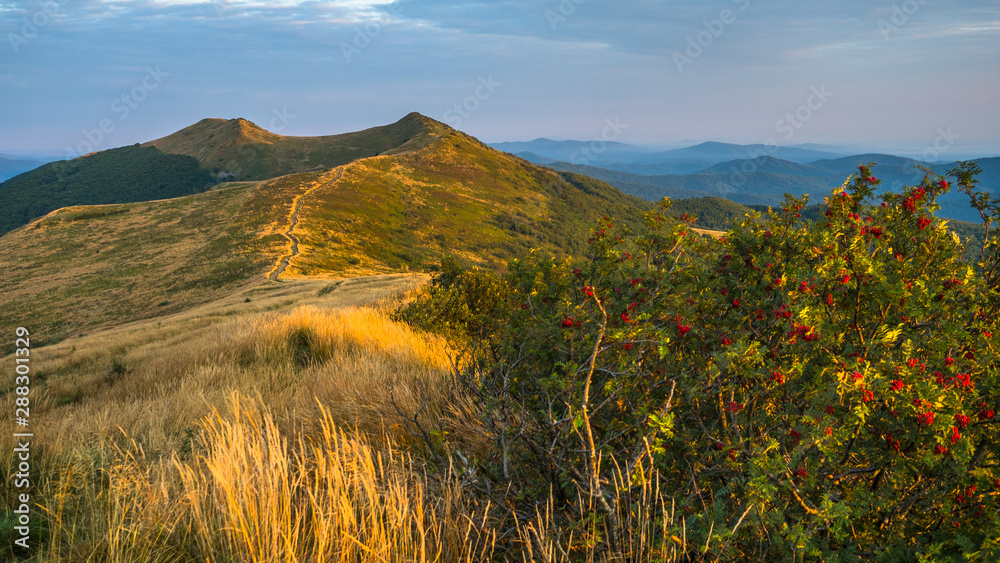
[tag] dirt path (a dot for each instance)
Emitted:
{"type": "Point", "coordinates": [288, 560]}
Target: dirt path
{"type": "Point", "coordinates": [709, 232]}
{"type": "Point", "coordinates": [294, 219]}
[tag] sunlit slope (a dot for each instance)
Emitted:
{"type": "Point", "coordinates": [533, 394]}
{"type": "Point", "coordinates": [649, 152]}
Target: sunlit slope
{"type": "Point", "coordinates": [455, 196]}
{"type": "Point", "coordinates": [83, 267]}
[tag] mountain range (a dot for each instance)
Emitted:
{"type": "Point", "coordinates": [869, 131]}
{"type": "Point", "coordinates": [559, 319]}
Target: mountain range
{"type": "Point", "coordinates": [11, 166]}
{"type": "Point", "coordinates": [747, 174]}
{"type": "Point", "coordinates": [222, 205]}
{"type": "Point", "coordinates": [152, 229]}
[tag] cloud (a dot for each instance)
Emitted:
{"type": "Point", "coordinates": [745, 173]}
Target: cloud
{"type": "Point", "coordinates": [565, 65]}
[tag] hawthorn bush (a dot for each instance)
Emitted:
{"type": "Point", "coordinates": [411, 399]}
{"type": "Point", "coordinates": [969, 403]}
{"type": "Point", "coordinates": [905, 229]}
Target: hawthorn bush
{"type": "Point", "coordinates": [822, 390]}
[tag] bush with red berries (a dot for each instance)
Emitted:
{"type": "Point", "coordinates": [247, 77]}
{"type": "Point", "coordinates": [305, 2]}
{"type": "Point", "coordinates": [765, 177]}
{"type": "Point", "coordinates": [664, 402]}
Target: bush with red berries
{"type": "Point", "coordinates": [824, 390]}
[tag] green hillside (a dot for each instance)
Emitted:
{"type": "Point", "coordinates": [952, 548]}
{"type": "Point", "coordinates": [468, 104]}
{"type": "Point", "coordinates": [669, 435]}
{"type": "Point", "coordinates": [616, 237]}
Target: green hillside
{"type": "Point", "coordinates": [456, 196]}
{"type": "Point", "coordinates": [121, 175]}
{"type": "Point", "coordinates": [712, 212]}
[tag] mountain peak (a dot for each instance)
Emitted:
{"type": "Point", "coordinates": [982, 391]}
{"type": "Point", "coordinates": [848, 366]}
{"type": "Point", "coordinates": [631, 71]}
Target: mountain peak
{"type": "Point", "coordinates": [239, 149]}
{"type": "Point", "coordinates": [212, 133]}
{"type": "Point", "coordinates": [248, 133]}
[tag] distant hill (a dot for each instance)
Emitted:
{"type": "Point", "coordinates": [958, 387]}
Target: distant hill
{"type": "Point", "coordinates": [12, 166]}
{"type": "Point", "coordinates": [764, 180]}
{"type": "Point", "coordinates": [119, 175]}
{"type": "Point", "coordinates": [765, 188]}
{"type": "Point", "coordinates": [720, 152]}
{"type": "Point", "coordinates": [536, 158]}
{"type": "Point", "coordinates": [639, 160]}
{"type": "Point", "coordinates": [440, 191]}
{"type": "Point", "coordinates": [770, 164]}
{"type": "Point", "coordinates": [685, 166]}
{"type": "Point", "coordinates": [713, 213]}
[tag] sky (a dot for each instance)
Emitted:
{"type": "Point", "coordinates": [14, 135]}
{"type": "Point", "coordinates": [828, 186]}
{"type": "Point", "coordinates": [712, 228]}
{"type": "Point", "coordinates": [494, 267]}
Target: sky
{"type": "Point", "coordinates": [923, 75]}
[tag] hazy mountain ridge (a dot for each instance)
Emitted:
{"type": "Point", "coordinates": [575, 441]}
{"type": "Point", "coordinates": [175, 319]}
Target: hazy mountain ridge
{"type": "Point", "coordinates": [644, 160]}
{"type": "Point", "coordinates": [11, 166]}
{"type": "Point", "coordinates": [764, 180]}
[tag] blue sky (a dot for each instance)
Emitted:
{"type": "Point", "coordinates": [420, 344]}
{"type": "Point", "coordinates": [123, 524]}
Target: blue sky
{"type": "Point", "coordinates": [884, 73]}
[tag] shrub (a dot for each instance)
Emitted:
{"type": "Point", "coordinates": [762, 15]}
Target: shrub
{"type": "Point", "coordinates": [823, 389]}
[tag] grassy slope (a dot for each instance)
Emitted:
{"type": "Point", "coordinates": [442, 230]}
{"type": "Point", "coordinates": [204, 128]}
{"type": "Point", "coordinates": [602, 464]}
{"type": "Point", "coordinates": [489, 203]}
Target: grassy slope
{"type": "Point", "coordinates": [455, 196]}
{"type": "Point", "coordinates": [98, 399]}
{"type": "Point", "coordinates": [83, 267]}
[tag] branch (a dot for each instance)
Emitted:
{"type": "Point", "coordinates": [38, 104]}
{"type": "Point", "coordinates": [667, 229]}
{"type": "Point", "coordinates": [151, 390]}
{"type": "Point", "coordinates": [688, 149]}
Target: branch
{"type": "Point", "coordinates": [407, 420]}
{"type": "Point", "coordinates": [595, 479]}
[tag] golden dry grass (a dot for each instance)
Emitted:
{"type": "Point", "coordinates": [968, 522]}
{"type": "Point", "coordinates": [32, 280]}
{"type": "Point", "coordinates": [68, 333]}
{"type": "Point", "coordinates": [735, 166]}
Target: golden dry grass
{"type": "Point", "coordinates": [251, 493]}
{"type": "Point", "coordinates": [142, 460]}
{"type": "Point", "coordinates": [277, 436]}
